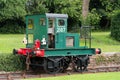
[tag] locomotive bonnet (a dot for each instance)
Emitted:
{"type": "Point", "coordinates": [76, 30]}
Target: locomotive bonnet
{"type": "Point", "coordinates": [49, 45]}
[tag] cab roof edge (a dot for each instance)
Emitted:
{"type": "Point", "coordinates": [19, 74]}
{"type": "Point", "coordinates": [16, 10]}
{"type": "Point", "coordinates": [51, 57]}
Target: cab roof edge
{"type": "Point", "coordinates": [54, 15]}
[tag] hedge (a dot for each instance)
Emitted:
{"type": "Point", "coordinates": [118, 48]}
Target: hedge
{"type": "Point", "coordinates": [12, 26]}
{"type": "Point", "coordinates": [12, 29]}
{"type": "Point", "coordinates": [115, 26]}
{"type": "Point", "coordinates": [10, 62]}
{"type": "Point", "coordinates": [107, 60]}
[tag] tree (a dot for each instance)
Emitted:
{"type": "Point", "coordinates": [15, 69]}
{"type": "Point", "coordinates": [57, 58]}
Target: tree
{"type": "Point", "coordinates": [71, 7]}
{"type": "Point", "coordinates": [115, 25]}
{"type": "Point", "coordinates": [103, 11]}
{"type": "Point", "coordinates": [85, 8]}
{"type": "Point", "coordinates": [11, 15]}
{"type": "Point", "coordinates": [36, 7]}
{"type": "Point", "coordinates": [11, 9]}
{"type": "Point", "coordinates": [94, 12]}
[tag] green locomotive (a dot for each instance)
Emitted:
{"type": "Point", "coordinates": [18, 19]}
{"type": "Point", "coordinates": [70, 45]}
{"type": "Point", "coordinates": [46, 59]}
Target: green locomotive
{"type": "Point", "coordinates": [49, 45]}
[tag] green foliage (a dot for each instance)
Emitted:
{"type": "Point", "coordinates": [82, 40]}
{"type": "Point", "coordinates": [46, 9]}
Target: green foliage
{"type": "Point", "coordinates": [107, 60]}
{"type": "Point", "coordinates": [104, 9]}
{"type": "Point", "coordinates": [115, 26]}
{"type": "Point", "coordinates": [71, 7]}
{"type": "Point", "coordinates": [99, 11]}
{"type": "Point", "coordinates": [11, 9]}
{"type": "Point", "coordinates": [12, 26]}
{"type": "Point", "coordinates": [12, 14]}
{"type": "Point", "coordinates": [12, 29]}
{"type": "Point", "coordinates": [111, 4]}
{"type": "Point", "coordinates": [94, 17]}
{"type": "Point", "coordinates": [35, 7]}
{"type": "Point", "coordinates": [11, 62]}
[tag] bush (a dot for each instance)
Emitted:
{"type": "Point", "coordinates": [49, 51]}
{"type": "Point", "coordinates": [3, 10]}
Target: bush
{"type": "Point", "coordinates": [107, 60]}
{"type": "Point", "coordinates": [12, 26]}
{"type": "Point", "coordinates": [10, 62]}
{"type": "Point", "coordinates": [115, 26]}
{"type": "Point", "coordinates": [12, 29]}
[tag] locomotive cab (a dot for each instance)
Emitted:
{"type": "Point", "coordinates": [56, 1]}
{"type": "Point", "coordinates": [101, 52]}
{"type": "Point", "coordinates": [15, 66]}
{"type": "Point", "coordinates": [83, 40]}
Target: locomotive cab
{"type": "Point", "coordinates": [51, 30]}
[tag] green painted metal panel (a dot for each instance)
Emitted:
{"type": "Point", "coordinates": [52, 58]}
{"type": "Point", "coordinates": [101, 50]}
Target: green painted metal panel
{"type": "Point", "coordinates": [61, 40]}
{"type": "Point", "coordinates": [69, 52]}
{"type": "Point", "coordinates": [75, 41]}
{"type": "Point", "coordinates": [39, 31]}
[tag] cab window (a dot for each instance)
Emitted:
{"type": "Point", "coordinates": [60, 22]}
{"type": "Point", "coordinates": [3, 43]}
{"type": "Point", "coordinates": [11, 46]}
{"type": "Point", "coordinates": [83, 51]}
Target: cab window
{"type": "Point", "coordinates": [30, 24]}
{"type": "Point", "coordinates": [42, 22]}
{"type": "Point", "coordinates": [51, 23]}
{"type": "Point", "coordinates": [69, 41]}
{"type": "Point", "coordinates": [61, 22]}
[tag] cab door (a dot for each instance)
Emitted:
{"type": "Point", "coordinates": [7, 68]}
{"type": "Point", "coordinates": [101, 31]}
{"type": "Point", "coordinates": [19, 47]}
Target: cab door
{"type": "Point", "coordinates": [51, 32]}
{"type": "Point", "coordinates": [60, 30]}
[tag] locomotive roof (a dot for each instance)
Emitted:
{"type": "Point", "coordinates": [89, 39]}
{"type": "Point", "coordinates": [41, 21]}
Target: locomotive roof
{"type": "Point", "coordinates": [53, 15]}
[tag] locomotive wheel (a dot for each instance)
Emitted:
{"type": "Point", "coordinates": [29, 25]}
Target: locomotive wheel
{"type": "Point", "coordinates": [33, 67]}
{"type": "Point", "coordinates": [52, 65]}
{"type": "Point", "coordinates": [66, 62]}
{"type": "Point", "coordinates": [80, 68]}
{"type": "Point", "coordinates": [36, 63]}
{"type": "Point", "coordinates": [81, 63]}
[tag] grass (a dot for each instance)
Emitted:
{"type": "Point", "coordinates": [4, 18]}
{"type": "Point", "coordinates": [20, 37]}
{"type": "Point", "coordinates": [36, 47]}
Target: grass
{"type": "Point", "coordinates": [96, 76]}
{"type": "Point", "coordinates": [105, 42]}
{"type": "Point", "coordinates": [99, 40]}
{"type": "Point", "coordinates": [10, 41]}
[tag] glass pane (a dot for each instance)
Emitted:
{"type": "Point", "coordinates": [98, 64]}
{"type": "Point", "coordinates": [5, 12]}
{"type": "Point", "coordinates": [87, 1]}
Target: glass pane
{"type": "Point", "coordinates": [30, 24]}
{"type": "Point", "coordinates": [69, 41]}
{"type": "Point", "coordinates": [42, 21]}
{"type": "Point", "coordinates": [30, 38]}
{"type": "Point", "coordinates": [51, 23]}
{"type": "Point", "coordinates": [61, 22]}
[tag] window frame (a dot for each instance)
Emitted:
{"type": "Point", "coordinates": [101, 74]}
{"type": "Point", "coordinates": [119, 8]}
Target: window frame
{"type": "Point", "coordinates": [42, 21]}
{"type": "Point", "coordinates": [60, 23]}
{"type": "Point", "coordinates": [30, 38]}
{"type": "Point", "coordinates": [69, 41]}
{"type": "Point", "coordinates": [30, 24]}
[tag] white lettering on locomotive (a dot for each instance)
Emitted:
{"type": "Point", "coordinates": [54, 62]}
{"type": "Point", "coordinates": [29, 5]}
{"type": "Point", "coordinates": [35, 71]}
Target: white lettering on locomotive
{"type": "Point", "coordinates": [60, 29]}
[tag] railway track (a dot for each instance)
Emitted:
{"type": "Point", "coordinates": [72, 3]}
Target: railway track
{"type": "Point", "coordinates": [31, 74]}
{"type": "Point", "coordinates": [104, 63]}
